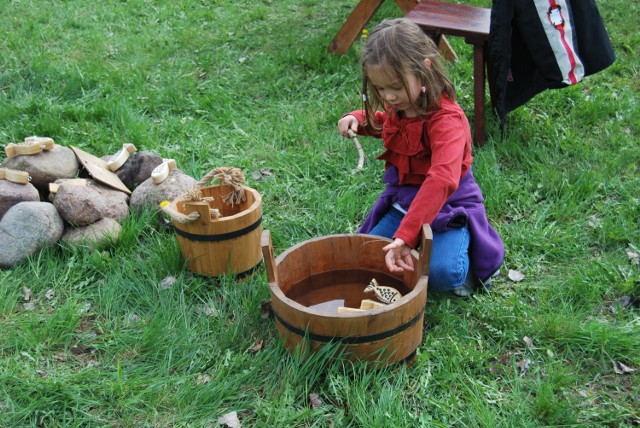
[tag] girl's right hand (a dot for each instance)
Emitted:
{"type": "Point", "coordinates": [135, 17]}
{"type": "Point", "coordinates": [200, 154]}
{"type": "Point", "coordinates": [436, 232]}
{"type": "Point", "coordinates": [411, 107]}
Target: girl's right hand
{"type": "Point", "coordinates": [349, 122]}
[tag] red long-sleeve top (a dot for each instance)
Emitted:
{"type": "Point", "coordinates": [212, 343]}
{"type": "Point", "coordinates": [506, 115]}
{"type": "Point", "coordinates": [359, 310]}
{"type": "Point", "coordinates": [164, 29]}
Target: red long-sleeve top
{"type": "Point", "coordinates": [433, 152]}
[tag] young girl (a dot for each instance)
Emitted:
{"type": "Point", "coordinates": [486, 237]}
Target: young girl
{"type": "Point", "coordinates": [410, 104]}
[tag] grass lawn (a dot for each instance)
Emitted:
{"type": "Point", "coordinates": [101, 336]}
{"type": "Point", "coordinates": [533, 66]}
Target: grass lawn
{"type": "Point", "coordinates": [104, 340]}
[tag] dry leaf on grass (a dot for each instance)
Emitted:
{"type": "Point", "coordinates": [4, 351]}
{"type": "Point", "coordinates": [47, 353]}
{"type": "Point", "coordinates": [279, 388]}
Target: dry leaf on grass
{"type": "Point", "coordinates": [265, 309]}
{"type": "Point", "coordinates": [49, 294]}
{"type": "Point", "coordinates": [316, 402]}
{"type": "Point", "coordinates": [168, 282]}
{"type": "Point", "coordinates": [230, 419]}
{"type": "Point", "coordinates": [208, 310]}
{"type": "Point", "coordinates": [515, 275]}
{"type": "Point", "coordinates": [26, 294]}
{"type": "Point", "coordinates": [634, 256]}
{"type": "Point", "coordinates": [524, 365]}
{"type": "Point", "coordinates": [621, 368]}
{"type": "Point", "coordinates": [527, 341]}
{"type": "Point", "coordinates": [258, 346]}
{"type": "Point", "coordinates": [203, 379]}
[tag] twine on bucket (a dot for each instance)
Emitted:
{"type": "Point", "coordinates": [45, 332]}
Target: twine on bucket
{"type": "Point", "coordinates": [228, 176]}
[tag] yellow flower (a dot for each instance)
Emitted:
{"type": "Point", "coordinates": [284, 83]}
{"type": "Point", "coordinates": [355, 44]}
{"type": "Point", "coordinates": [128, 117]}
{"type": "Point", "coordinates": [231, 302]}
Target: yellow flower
{"type": "Point", "coordinates": [365, 34]}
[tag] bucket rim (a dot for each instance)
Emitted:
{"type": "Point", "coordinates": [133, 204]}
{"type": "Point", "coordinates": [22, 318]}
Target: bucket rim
{"type": "Point", "coordinates": [420, 287]}
{"type": "Point", "coordinates": [255, 206]}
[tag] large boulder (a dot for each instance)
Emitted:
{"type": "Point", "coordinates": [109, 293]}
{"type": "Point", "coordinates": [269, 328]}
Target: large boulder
{"type": "Point", "coordinates": [27, 228]}
{"type": "Point", "coordinates": [46, 166]}
{"type": "Point", "coordinates": [13, 193]}
{"type": "Point", "coordinates": [149, 195]}
{"type": "Point", "coordinates": [83, 205]}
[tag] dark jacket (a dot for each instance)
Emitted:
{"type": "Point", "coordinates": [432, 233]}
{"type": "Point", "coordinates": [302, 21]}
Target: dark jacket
{"type": "Point", "coordinates": [536, 45]}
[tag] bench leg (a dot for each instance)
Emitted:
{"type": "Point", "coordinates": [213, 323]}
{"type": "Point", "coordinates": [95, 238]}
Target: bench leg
{"type": "Point", "coordinates": [478, 94]}
{"type": "Point", "coordinates": [359, 17]}
{"type": "Point", "coordinates": [353, 26]}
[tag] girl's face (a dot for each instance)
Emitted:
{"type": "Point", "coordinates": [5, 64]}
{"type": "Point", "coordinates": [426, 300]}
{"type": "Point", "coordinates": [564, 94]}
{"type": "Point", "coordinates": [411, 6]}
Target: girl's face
{"type": "Point", "coordinates": [392, 91]}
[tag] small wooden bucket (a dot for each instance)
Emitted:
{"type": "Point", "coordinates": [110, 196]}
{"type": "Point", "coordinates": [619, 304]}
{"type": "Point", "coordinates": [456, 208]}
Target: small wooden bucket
{"type": "Point", "coordinates": [229, 244]}
{"type": "Point", "coordinates": [309, 280]}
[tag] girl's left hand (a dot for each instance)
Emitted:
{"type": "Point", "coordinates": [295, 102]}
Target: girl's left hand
{"type": "Point", "coordinates": [398, 257]}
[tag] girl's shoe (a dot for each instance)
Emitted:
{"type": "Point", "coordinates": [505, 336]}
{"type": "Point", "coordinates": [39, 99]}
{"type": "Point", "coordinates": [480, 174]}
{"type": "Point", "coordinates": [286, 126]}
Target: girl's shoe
{"type": "Point", "coordinates": [467, 288]}
{"type": "Point", "coordinates": [469, 285]}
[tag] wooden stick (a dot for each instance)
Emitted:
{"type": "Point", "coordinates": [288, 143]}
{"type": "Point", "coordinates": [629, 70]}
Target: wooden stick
{"type": "Point", "coordinates": [30, 146]}
{"type": "Point", "coordinates": [161, 172]}
{"type": "Point", "coordinates": [15, 176]}
{"type": "Point", "coordinates": [354, 137]}
{"type": "Point", "coordinates": [121, 156]}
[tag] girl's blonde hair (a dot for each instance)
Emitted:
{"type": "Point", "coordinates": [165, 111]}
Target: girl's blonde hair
{"type": "Point", "coordinates": [402, 47]}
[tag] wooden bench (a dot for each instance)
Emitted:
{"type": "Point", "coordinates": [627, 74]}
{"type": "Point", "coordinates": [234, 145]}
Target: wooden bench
{"type": "Point", "coordinates": [357, 20]}
{"type": "Point", "coordinates": [438, 18]}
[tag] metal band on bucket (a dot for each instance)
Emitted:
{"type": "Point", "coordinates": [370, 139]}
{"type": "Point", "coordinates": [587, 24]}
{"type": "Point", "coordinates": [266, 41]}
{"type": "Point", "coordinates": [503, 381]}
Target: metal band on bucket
{"type": "Point", "coordinates": [350, 339]}
{"type": "Point", "coordinates": [220, 237]}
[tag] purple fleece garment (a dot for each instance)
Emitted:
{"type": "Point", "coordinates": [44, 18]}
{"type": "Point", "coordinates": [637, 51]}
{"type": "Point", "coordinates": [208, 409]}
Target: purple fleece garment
{"type": "Point", "coordinates": [464, 206]}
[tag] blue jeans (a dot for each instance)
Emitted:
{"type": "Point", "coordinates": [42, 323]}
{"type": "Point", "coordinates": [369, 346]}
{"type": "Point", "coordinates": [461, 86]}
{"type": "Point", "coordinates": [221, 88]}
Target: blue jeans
{"type": "Point", "coordinates": [449, 252]}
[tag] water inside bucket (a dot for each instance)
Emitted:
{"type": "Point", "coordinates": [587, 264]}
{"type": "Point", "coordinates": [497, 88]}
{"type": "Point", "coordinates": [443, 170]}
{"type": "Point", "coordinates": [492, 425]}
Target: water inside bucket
{"type": "Point", "coordinates": [328, 291]}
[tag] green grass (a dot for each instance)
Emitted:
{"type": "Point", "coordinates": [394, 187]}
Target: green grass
{"type": "Point", "coordinates": [251, 85]}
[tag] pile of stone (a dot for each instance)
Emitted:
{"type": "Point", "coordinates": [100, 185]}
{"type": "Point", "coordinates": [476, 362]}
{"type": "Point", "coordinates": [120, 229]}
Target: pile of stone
{"type": "Point", "coordinates": [47, 195]}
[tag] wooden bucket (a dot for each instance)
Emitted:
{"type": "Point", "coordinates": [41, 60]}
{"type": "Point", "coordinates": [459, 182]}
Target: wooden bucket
{"type": "Point", "coordinates": [309, 280]}
{"type": "Point", "coordinates": [226, 245]}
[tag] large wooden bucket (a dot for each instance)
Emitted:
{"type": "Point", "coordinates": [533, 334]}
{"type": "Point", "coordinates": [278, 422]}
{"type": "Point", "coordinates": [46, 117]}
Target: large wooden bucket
{"type": "Point", "coordinates": [311, 279]}
{"type": "Point", "coordinates": [226, 245]}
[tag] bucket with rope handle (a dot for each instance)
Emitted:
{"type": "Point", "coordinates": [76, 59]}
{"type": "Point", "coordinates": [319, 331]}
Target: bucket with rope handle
{"type": "Point", "coordinates": [218, 226]}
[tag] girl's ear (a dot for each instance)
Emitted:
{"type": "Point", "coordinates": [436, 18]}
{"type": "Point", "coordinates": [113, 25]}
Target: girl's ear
{"type": "Point", "coordinates": [427, 62]}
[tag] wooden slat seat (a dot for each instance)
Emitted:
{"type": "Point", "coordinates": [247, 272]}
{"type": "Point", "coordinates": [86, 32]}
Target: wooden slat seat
{"type": "Point", "coordinates": [438, 18]}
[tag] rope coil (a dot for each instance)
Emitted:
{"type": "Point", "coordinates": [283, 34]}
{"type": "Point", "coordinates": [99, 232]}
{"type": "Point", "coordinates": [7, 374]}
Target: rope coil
{"type": "Point", "coordinates": [227, 176]}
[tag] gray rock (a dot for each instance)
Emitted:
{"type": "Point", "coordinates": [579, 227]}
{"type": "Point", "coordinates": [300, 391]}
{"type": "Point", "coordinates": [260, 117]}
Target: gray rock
{"type": "Point", "coordinates": [12, 193]}
{"type": "Point", "coordinates": [27, 228]}
{"type": "Point", "coordinates": [149, 195]}
{"type": "Point", "coordinates": [47, 166]}
{"type": "Point", "coordinates": [95, 236]}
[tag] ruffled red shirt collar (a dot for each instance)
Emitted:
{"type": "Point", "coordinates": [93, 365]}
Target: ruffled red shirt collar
{"type": "Point", "coordinates": [404, 141]}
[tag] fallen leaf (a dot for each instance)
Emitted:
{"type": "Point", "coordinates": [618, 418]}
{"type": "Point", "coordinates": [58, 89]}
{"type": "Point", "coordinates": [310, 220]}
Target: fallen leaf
{"type": "Point", "coordinates": [203, 379]}
{"type": "Point", "coordinates": [131, 318]}
{"type": "Point", "coordinates": [634, 256]}
{"type": "Point", "coordinates": [168, 282]}
{"type": "Point", "coordinates": [49, 294]}
{"type": "Point", "coordinates": [527, 341]}
{"type": "Point", "coordinates": [621, 368]}
{"type": "Point", "coordinates": [261, 173]}
{"type": "Point", "coordinates": [524, 365]}
{"type": "Point", "coordinates": [26, 294]}
{"type": "Point", "coordinates": [230, 420]}
{"type": "Point", "coordinates": [265, 309]}
{"type": "Point", "coordinates": [515, 275]}
{"type": "Point", "coordinates": [80, 349]}
{"type": "Point", "coordinates": [208, 310]}
{"type": "Point", "coordinates": [316, 402]}
{"type": "Point", "coordinates": [258, 346]}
